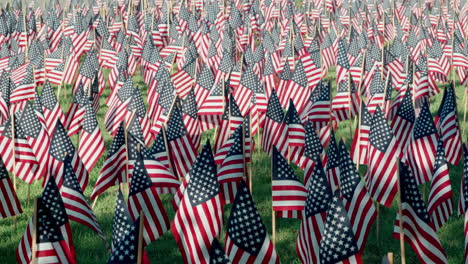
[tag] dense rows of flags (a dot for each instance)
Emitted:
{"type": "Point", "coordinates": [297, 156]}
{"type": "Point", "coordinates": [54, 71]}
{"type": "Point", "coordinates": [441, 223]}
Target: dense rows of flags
{"type": "Point", "coordinates": [240, 68]}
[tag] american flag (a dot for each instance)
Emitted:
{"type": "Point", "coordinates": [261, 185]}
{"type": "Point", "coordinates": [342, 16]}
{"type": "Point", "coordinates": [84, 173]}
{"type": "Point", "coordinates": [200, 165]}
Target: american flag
{"type": "Point", "coordinates": [76, 206]}
{"type": "Point", "coordinates": [403, 121]}
{"type": "Point", "coordinates": [288, 192]}
{"type": "Point", "coordinates": [376, 92]}
{"type": "Point", "coordinates": [338, 243]}
{"type": "Point", "coordinates": [183, 79]}
{"type": "Point", "coordinates": [36, 134]}
{"type": "Point", "coordinates": [345, 104]}
{"type": "Point", "coordinates": [217, 254]}
{"type": "Point", "coordinates": [20, 160]}
{"type": "Point", "coordinates": [342, 63]}
{"type": "Point", "coordinates": [143, 197]}
{"type": "Point", "coordinates": [274, 130]}
{"type": "Point", "coordinates": [25, 90]}
{"type": "Point", "coordinates": [76, 111]}
{"type": "Point", "coordinates": [447, 124]}
{"type": "Point", "coordinates": [357, 201]}
{"type": "Point", "coordinates": [418, 229]}
{"type": "Point", "coordinates": [91, 145]}
{"type": "Point", "coordinates": [53, 233]}
{"type": "Point", "coordinates": [121, 222]}
{"type": "Point", "coordinates": [113, 170]}
{"type": "Point", "coordinates": [313, 146]}
{"type": "Point", "coordinates": [10, 203]}
{"type": "Point", "coordinates": [181, 147]}
{"type": "Point", "coordinates": [319, 195]}
{"type": "Point", "coordinates": [204, 84]}
{"type": "Point", "coordinates": [437, 62]}
{"type": "Point", "coordinates": [421, 152]}
{"type": "Point", "coordinates": [332, 168]}
{"type": "Point", "coordinates": [440, 203]}
{"type": "Point", "coordinates": [297, 89]}
{"type": "Point", "coordinates": [190, 117]}
{"type": "Point", "coordinates": [201, 206]}
{"type": "Point", "coordinates": [126, 250]}
{"type": "Point", "coordinates": [248, 86]}
{"type": "Point", "coordinates": [108, 56]}
{"type": "Point", "coordinates": [231, 119]}
{"type": "Point", "coordinates": [232, 169]}
{"type": "Point", "coordinates": [317, 111]}
{"type": "Point", "coordinates": [118, 107]}
{"type": "Point", "coordinates": [5, 89]}
{"type": "Point", "coordinates": [381, 175]}
{"type": "Point", "coordinates": [50, 106]}
{"type": "Point", "coordinates": [211, 110]}
{"type": "Point", "coordinates": [296, 131]}
{"type": "Point", "coordinates": [61, 147]}
{"type": "Point", "coordinates": [245, 222]}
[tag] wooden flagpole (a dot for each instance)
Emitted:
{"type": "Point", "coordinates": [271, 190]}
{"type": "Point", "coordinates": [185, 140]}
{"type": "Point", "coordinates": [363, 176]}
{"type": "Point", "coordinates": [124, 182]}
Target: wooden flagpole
{"type": "Point", "coordinates": [12, 123]}
{"type": "Point", "coordinates": [140, 237]}
{"type": "Point", "coordinates": [34, 234]}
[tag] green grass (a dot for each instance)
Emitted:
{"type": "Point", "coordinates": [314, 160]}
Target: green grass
{"type": "Point", "coordinates": [90, 249]}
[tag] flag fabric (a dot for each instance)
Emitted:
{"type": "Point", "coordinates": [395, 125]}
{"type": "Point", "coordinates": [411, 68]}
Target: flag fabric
{"type": "Point", "coordinates": [421, 151]}
{"type": "Point", "coordinates": [332, 168]}
{"type": "Point", "coordinates": [62, 147]}
{"type": "Point", "coordinates": [58, 247]}
{"type": "Point", "coordinates": [381, 175]}
{"type": "Point", "coordinates": [233, 165]}
{"type": "Point", "coordinates": [318, 108]}
{"type": "Point", "coordinates": [403, 121]}
{"type": "Point", "coordinates": [360, 145]}
{"type": "Point", "coordinates": [288, 193]}
{"type": "Point", "coordinates": [440, 203]}
{"type": "Point", "coordinates": [447, 124]}
{"type": "Point", "coordinates": [126, 250]}
{"type": "Point", "coordinates": [418, 229]}
{"type": "Point", "coordinates": [338, 242]}
{"type": "Point", "coordinates": [274, 130]}
{"type": "Point", "coordinates": [10, 203]}
{"type": "Point", "coordinates": [91, 145]}
{"type": "Point", "coordinates": [143, 197]}
{"type": "Point", "coordinates": [38, 138]}
{"type": "Point", "coordinates": [245, 221]}
{"type": "Point", "coordinates": [319, 196]}
{"type": "Point", "coordinates": [296, 131]}
{"type": "Point", "coordinates": [75, 202]}
{"type": "Point", "coordinates": [358, 203]}
{"type": "Point", "coordinates": [17, 154]}
{"type": "Point", "coordinates": [50, 106]}
{"type": "Point", "coordinates": [114, 169]}
{"type": "Point", "coordinates": [182, 150]}
{"type": "Point", "coordinates": [199, 217]}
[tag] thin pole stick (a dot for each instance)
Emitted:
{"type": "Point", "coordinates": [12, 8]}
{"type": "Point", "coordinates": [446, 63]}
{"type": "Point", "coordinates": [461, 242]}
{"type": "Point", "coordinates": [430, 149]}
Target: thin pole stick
{"type": "Point", "coordinates": [12, 123]}
{"type": "Point", "coordinates": [400, 213]}
{"type": "Point", "coordinates": [140, 238]}
{"type": "Point", "coordinates": [94, 203]}
{"type": "Point", "coordinates": [34, 235]}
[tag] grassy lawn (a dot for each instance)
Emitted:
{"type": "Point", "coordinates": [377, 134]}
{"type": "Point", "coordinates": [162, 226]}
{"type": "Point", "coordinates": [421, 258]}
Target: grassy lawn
{"type": "Point", "coordinates": [90, 249]}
